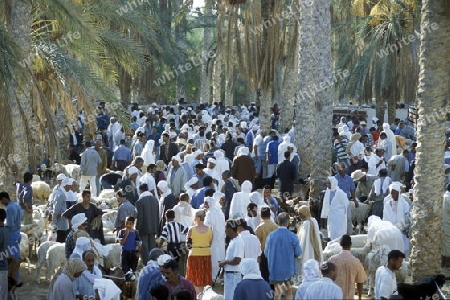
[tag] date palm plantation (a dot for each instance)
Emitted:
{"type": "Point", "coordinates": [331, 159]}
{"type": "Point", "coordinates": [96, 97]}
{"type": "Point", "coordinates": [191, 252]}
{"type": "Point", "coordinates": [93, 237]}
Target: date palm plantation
{"type": "Point", "coordinates": [433, 97]}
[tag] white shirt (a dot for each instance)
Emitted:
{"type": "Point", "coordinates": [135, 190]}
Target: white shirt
{"type": "Point", "coordinates": [324, 288]}
{"type": "Point", "coordinates": [236, 248]}
{"type": "Point", "coordinates": [385, 283]}
{"type": "Point", "coordinates": [252, 245]}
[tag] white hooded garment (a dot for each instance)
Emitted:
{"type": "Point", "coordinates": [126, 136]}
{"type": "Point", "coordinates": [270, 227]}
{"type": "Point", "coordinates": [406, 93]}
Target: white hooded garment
{"type": "Point", "coordinates": [147, 153]}
{"type": "Point", "coordinates": [282, 147]}
{"type": "Point", "coordinates": [334, 209]}
{"type": "Point", "coordinates": [216, 220]}
{"type": "Point", "coordinates": [240, 201]}
{"type": "Point", "coordinates": [391, 139]}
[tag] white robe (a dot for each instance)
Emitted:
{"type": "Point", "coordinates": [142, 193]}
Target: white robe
{"type": "Point", "coordinates": [324, 288]}
{"type": "Point", "coordinates": [397, 218]}
{"type": "Point", "coordinates": [305, 238]}
{"type": "Point", "coordinates": [240, 201]}
{"type": "Point", "coordinates": [216, 220]}
{"type": "Point", "coordinates": [336, 212]}
{"type": "Point", "coordinates": [446, 225]}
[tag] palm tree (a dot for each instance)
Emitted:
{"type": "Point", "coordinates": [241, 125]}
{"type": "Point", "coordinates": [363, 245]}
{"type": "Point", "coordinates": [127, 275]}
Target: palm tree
{"type": "Point", "coordinates": [63, 52]}
{"type": "Point", "coordinates": [315, 92]}
{"type": "Point", "coordinates": [205, 90]}
{"type": "Point", "coordinates": [383, 61]}
{"type": "Point", "coordinates": [432, 98]}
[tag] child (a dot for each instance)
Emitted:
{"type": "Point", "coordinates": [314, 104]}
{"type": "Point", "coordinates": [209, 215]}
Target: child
{"type": "Point", "coordinates": [131, 243]}
{"type": "Point", "coordinates": [174, 233]}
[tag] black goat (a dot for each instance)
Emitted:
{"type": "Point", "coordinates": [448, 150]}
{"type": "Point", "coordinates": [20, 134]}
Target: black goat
{"type": "Point", "coordinates": [422, 290]}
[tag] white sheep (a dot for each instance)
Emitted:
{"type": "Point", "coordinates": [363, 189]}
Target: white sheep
{"type": "Point", "coordinates": [41, 190]}
{"type": "Point", "coordinates": [108, 219]}
{"type": "Point", "coordinates": [110, 254]}
{"type": "Point", "coordinates": [56, 257]}
{"type": "Point", "coordinates": [359, 248]}
{"type": "Point", "coordinates": [376, 258]}
{"type": "Point", "coordinates": [107, 194]}
{"type": "Point", "coordinates": [25, 249]}
{"type": "Point", "coordinates": [360, 214]}
{"type": "Point", "coordinates": [209, 294]}
{"type": "Point", "coordinates": [74, 171]}
{"type": "Point", "coordinates": [404, 272]}
{"type": "Point", "coordinates": [36, 177]}
{"type": "Point", "coordinates": [42, 260]}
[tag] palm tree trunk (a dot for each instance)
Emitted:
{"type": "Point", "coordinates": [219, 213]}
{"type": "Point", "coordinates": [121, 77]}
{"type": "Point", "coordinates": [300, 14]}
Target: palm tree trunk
{"type": "Point", "coordinates": [217, 79]}
{"type": "Point", "coordinates": [180, 40]}
{"type": "Point", "coordinates": [229, 89]}
{"type": "Point", "coordinates": [20, 100]}
{"type": "Point", "coordinates": [205, 92]}
{"type": "Point", "coordinates": [264, 111]}
{"type": "Point", "coordinates": [432, 96]}
{"type": "Point", "coordinates": [315, 93]}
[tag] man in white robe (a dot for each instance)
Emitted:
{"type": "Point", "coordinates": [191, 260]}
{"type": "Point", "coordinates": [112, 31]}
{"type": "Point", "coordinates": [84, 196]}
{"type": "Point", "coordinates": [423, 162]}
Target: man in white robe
{"type": "Point", "coordinates": [392, 144]}
{"type": "Point", "coordinates": [240, 201]}
{"type": "Point", "coordinates": [334, 209]}
{"type": "Point", "coordinates": [325, 288]}
{"type": "Point", "coordinates": [309, 238]}
{"type": "Point", "coordinates": [396, 210]}
{"type": "Point", "coordinates": [282, 147]}
{"type": "Point", "coordinates": [222, 165]}
{"type": "Point", "coordinates": [176, 176]}
{"type": "Point", "coordinates": [216, 220]}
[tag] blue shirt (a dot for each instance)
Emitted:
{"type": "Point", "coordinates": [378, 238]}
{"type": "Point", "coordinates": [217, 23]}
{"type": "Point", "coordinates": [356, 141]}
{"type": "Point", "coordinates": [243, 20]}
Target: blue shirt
{"type": "Point", "coordinates": [199, 197]}
{"type": "Point", "coordinates": [272, 149]}
{"type": "Point", "coordinates": [253, 289]}
{"type": "Point", "coordinates": [148, 278]}
{"type": "Point", "coordinates": [25, 194]}
{"type": "Point", "coordinates": [399, 131]}
{"type": "Point", "coordinates": [122, 153]}
{"type": "Point", "coordinates": [249, 137]}
{"type": "Point", "coordinates": [345, 183]}
{"type": "Point", "coordinates": [102, 121]}
{"type": "Point", "coordinates": [132, 239]}
{"type": "Point", "coordinates": [282, 248]}
{"type": "Point", "coordinates": [14, 216]}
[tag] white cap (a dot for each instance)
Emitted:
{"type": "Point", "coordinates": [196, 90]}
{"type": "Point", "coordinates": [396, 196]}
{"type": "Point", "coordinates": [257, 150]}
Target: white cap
{"type": "Point", "coordinates": [211, 160]}
{"type": "Point", "coordinates": [60, 176]}
{"type": "Point", "coordinates": [133, 170]}
{"type": "Point", "coordinates": [66, 181]}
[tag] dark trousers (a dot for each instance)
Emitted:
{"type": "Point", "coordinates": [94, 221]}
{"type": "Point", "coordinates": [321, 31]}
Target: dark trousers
{"type": "Point", "coordinates": [174, 250]}
{"type": "Point", "coordinates": [61, 236]}
{"type": "Point", "coordinates": [264, 267]}
{"type": "Point", "coordinates": [129, 260]}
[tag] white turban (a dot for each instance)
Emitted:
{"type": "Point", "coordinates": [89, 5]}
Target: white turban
{"type": "Point", "coordinates": [395, 186]}
{"type": "Point", "coordinates": [177, 158]}
{"type": "Point", "coordinates": [162, 259]}
{"type": "Point", "coordinates": [212, 160]}
{"type": "Point", "coordinates": [311, 270]}
{"type": "Point", "coordinates": [132, 170]}
{"type": "Point", "coordinates": [212, 202]}
{"type": "Point", "coordinates": [190, 182]}
{"type": "Point", "coordinates": [66, 181]}
{"type": "Point", "coordinates": [244, 150]}
{"type": "Point", "coordinates": [83, 243]}
{"type": "Point", "coordinates": [218, 154]}
{"type": "Point", "coordinates": [250, 269]}
{"type": "Point", "coordinates": [162, 184]}
{"type": "Point", "coordinates": [255, 127]}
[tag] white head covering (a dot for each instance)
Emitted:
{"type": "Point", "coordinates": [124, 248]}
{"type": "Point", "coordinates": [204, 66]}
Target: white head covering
{"type": "Point", "coordinates": [66, 181]}
{"type": "Point", "coordinates": [218, 154]}
{"type": "Point", "coordinates": [218, 195]}
{"type": "Point", "coordinates": [287, 138]}
{"type": "Point", "coordinates": [147, 152]}
{"type": "Point", "coordinates": [82, 244]}
{"type": "Point", "coordinates": [162, 184]}
{"type": "Point", "coordinates": [333, 181]}
{"type": "Point", "coordinates": [177, 158]}
{"type": "Point", "coordinates": [132, 170]}
{"type": "Point", "coordinates": [162, 259]}
{"type": "Point", "coordinates": [255, 127]}
{"type": "Point", "coordinates": [311, 270]}
{"type": "Point", "coordinates": [257, 198]}
{"type": "Point", "coordinates": [395, 186]}
{"type": "Point", "coordinates": [190, 182]}
{"type": "Point", "coordinates": [60, 176]}
{"type": "Point", "coordinates": [212, 202]}
{"type": "Point", "coordinates": [212, 160]}
{"type": "Point", "coordinates": [244, 151]}
{"type": "Point", "coordinates": [107, 289]}
{"type": "Point", "coordinates": [78, 220]}
{"type": "Point", "coordinates": [246, 186]}
{"type": "Point", "coordinates": [250, 269]}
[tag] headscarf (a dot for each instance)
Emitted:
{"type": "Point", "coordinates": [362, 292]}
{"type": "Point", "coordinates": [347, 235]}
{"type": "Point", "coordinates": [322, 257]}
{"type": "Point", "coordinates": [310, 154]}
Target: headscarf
{"type": "Point", "coordinates": [257, 198]}
{"type": "Point", "coordinates": [311, 271]}
{"type": "Point", "coordinates": [250, 269]}
{"type": "Point", "coordinates": [212, 202]}
{"type": "Point", "coordinates": [147, 153]}
{"type": "Point", "coordinates": [326, 199]}
{"type": "Point", "coordinates": [397, 186]}
{"type": "Point", "coordinates": [391, 137]}
{"type": "Point", "coordinates": [218, 196]}
{"type": "Point", "coordinates": [305, 210]}
{"type": "Point", "coordinates": [246, 186]}
{"type": "Point", "coordinates": [190, 182]}
{"type": "Point", "coordinates": [333, 181]}
{"type": "Point", "coordinates": [72, 266]}
{"type": "Point", "coordinates": [82, 244]}
{"type": "Point", "coordinates": [107, 289]}
{"type": "Point", "coordinates": [163, 186]}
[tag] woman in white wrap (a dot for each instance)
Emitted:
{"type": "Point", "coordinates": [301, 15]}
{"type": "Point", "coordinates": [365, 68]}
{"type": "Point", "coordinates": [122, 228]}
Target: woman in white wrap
{"type": "Point", "coordinates": [309, 238]}
{"type": "Point", "coordinates": [216, 220]}
{"type": "Point", "coordinates": [148, 153]}
{"type": "Point", "coordinates": [391, 139]}
{"type": "Point", "coordinates": [222, 165]}
{"type": "Point", "coordinates": [334, 208]}
{"type": "Point", "coordinates": [240, 200]}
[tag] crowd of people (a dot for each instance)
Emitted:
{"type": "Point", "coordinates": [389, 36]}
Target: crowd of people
{"type": "Point", "coordinates": [186, 180]}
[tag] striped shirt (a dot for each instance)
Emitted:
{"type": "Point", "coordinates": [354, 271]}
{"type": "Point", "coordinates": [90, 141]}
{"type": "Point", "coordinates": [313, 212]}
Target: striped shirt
{"type": "Point", "coordinates": [173, 231]}
{"type": "Point", "coordinates": [339, 149]}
